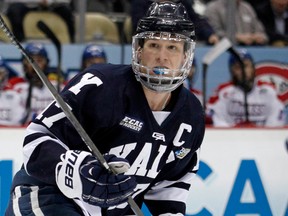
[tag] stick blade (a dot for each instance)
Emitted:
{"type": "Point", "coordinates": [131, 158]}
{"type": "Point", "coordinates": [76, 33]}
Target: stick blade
{"type": "Point", "coordinates": [216, 51]}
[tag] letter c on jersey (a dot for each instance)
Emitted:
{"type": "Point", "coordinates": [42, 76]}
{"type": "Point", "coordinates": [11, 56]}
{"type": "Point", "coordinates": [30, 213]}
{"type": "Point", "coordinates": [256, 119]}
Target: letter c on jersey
{"type": "Point", "coordinates": [180, 131]}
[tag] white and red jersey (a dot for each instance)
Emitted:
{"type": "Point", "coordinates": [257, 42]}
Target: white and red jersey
{"type": "Point", "coordinates": [12, 110]}
{"type": "Point", "coordinates": [226, 107]}
{"type": "Point", "coordinates": [40, 97]}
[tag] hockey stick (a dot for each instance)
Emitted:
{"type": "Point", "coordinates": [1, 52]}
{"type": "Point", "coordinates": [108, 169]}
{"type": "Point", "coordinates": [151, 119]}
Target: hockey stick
{"type": "Point", "coordinates": [214, 53]}
{"type": "Point", "coordinates": [87, 140]}
{"type": "Point", "coordinates": [48, 32]}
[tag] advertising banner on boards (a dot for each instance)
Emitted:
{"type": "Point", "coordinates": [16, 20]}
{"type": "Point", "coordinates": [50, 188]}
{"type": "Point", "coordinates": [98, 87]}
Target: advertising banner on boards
{"type": "Point", "coordinates": [242, 172]}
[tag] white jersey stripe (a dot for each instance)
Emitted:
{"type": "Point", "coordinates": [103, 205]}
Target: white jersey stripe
{"type": "Point", "coordinates": [15, 200]}
{"type": "Point", "coordinates": [34, 201]}
{"type": "Point", "coordinates": [29, 147]}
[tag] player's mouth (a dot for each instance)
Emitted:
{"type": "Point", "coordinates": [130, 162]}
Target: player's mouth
{"type": "Point", "coordinates": [160, 70]}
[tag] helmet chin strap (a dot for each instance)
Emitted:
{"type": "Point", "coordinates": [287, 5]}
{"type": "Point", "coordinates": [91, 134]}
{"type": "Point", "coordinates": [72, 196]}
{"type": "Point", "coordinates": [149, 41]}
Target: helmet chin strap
{"type": "Point", "coordinates": [166, 101]}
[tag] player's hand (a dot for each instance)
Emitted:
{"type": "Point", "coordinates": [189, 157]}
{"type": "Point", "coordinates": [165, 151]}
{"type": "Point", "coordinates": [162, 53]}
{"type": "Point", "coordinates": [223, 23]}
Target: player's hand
{"type": "Point", "coordinates": [80, 175]}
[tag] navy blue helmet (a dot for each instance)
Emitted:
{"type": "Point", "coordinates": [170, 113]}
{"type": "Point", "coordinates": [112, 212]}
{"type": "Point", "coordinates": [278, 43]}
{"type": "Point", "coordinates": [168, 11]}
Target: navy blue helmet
{"type": "Point", "coordinates": [36, 49]}
{"type": "Point", "coordinates": [244, 54]}
{"type": "Point", "coordinates": [167, 17]}
{"type": "Point", "coordinates": [93, 50]}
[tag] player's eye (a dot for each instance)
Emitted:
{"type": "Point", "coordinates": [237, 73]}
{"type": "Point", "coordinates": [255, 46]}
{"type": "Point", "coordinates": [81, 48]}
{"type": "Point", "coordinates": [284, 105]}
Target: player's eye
{"type": "Point", "coordinates": [153, 45]}
{"type": "Point", "coordinates": [172, 47]}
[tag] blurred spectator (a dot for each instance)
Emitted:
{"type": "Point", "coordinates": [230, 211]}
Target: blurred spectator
{"type": "Point", "coordinates": [35, 96]}
{"type": "Point", "coordinates": [105, 6]}
{"type": "Point", "coordinates": [204, 32]}
{"type": "Point", "coordinates": [248, 29]}
{"type": "Point", "coordinates": [93, 54]}
{"type": "Point", "coordinates": [227, 107]}
{"type": "Point", "coordinates": [121, 6]}
{"type": "Point", "coordinates": [274, 16]}
{"type": "Point", "coordinates": [256, 3]}
{"type": "Point", "coordinates": [199, 6]}
{"type": "Point", "coordinates": [102, 6]}
{"type": "Point", "coordinates": [190, 80]}
{"type": "Point", "coordinates": [17, 9]}
{"type": "Point", "coordinates": [206, 1]}
{"type": "Point", "coordinates": [11, 108]}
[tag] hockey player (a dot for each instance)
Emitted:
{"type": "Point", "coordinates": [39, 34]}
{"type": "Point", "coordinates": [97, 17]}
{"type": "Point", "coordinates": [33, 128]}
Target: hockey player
{"type": "Point", "coordinates": [141, 115]}
{"type": "Point", "coordinates": [93, 54]}
{"type": "Point", "coordinates": [226, 107]}
{"type": "Point", "coordinates": [12, 109]}
{"type": "Point", "coordinates": [34, 94]}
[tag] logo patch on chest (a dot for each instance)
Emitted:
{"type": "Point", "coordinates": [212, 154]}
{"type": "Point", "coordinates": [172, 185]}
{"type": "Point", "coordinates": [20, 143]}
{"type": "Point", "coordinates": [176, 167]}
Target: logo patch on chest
{"type": "Point", "coordinates": [182, 152]}
{"type": "Point", "coordinates": [158, 136]}
{"type": "Point", "coordinates": [131, 124]}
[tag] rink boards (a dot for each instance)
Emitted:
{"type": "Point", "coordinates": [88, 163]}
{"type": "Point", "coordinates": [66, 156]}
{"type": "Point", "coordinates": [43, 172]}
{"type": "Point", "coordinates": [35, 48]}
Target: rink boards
{"type": "Point", "coordinates": [242, 171]}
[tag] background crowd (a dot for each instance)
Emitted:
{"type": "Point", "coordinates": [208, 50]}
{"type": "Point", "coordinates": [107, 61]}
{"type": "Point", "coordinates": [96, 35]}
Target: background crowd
{"type": "Point", "coordinates": [253, 22]}
{"type": "Point", "coordinates": [241, 100]}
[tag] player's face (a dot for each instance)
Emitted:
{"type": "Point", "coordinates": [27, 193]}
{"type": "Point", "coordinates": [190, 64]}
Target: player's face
{"type": "Point", "coordinates": [280, 6]}
{"type": "Point", "coordinates": [30, 72]}
{"type": "Point", "coordinates": [162, 54]}
{"type": "Point", "coordinates": [248, 68]}
{"type": "Point", "coordinates": [39, 60]}
{"type": "Point", "coordinates": [161, 60]}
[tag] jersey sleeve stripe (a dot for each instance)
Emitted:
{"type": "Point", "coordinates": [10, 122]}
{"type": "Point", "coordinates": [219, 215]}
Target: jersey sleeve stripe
{"type": "Point", "coordinates": [31, 141]}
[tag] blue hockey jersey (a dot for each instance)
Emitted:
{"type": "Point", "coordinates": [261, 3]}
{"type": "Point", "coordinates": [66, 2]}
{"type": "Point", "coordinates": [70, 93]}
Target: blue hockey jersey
{"type": "Point", "coordinates": [162, 147]}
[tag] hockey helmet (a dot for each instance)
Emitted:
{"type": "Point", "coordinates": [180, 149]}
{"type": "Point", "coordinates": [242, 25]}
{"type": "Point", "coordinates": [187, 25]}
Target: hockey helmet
{"type": "Point", "coordinates": [163, 21]}
{"type": "Point", "coordinates": [34, 48]}
{"type": "Point", "coordinates": [244, 54]}
{"type": "Point", "coordinates": [92, 51]}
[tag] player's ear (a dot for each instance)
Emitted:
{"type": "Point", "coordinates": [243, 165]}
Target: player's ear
{"type": "Point", "coordinates": [139, 54]}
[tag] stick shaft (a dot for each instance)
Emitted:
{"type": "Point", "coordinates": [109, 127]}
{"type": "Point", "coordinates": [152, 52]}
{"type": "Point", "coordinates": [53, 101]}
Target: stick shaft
{"type": "Point", "coordinates": [204, 85]}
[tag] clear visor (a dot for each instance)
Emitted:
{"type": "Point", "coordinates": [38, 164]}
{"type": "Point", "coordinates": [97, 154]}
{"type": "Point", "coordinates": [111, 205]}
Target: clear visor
{"type": "Point", "coordinates": [161, 79]}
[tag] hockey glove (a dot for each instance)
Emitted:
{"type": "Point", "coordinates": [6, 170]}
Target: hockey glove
{"type": "Point", "coordinates": [80, 175]}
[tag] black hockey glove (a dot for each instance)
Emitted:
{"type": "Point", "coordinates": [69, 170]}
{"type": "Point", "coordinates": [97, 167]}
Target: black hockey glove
{"type": "Point", "coordinates": [80, 175]}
